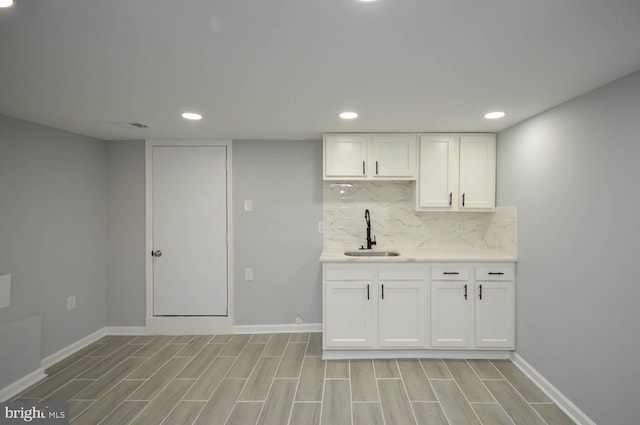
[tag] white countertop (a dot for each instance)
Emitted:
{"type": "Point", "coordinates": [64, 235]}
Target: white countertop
{"type": "Point", "coordinates": [419, 254]}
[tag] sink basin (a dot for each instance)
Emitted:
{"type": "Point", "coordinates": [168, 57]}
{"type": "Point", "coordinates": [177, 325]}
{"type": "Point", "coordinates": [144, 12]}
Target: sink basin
{"type": "Point", "coordinates": [367, 253]}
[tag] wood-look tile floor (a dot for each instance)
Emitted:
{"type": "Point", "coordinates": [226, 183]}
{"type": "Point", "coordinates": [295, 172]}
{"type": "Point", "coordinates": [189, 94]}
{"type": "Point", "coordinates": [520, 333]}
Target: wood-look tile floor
{"type": "Point", "coordinates": [280, 379]}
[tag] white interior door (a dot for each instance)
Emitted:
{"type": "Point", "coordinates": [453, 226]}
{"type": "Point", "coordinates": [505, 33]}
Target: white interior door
{"type": "Point", "coordinates": [189, 215]}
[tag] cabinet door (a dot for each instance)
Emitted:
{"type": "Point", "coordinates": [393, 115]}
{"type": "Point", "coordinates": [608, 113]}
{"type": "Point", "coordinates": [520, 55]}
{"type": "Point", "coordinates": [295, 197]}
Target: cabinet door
{"type": "Point", "coordinates": [477, 172]}
{"type": "Point", "coordinates": [495, 315]}
{"type": "Point", "coordinates": [451, 303]}
{"type": "Point", "coordinates": [437, 185]}
{"type": "Point", "coordinates": [401, 307]}
{"type": "Point", "coordinates": [393, 155]}
{"type": "Point", "coordinates": [345, 156]}
{"type": "Point", "coordinates": [348, 314]}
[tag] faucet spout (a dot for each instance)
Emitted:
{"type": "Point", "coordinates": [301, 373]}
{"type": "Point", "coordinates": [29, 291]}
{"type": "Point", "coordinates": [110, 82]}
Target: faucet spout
{"type": "Point", "coordinates": [367, 219]}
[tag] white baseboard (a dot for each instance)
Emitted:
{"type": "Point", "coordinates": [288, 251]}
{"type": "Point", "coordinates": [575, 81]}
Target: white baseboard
{"type": "Point", "coordinates": [70, 349]}
{"type": "Point", "coordinates": [188, 325]}
{"type": "Point", "coordinates": [567, 406]}
{"type": "Point", "coordinates": [10, 391]}
{"type": "Point", "coordinates": [414, 354]}
{"type": "Point", "coordinates": [125, 330]}
{"type": "Point", "coordinates": [271, 329]}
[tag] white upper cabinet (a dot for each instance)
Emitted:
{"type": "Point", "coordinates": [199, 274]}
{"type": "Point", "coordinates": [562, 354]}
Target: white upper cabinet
{"type": "Point", "coordinates": [457, 172]}
{"type": "Point", "coordinates": [438, 165]}
{"type": "Point", "coordinates": [478, 172]}
{"type": "Point", "coordinates": [370, 156]}
{"type": "Point", "coordinates": [345, 156]}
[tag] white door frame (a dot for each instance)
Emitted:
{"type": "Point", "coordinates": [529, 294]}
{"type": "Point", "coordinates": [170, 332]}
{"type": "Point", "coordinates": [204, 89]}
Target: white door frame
{"type": "Point", "coordinates": [185, 325]}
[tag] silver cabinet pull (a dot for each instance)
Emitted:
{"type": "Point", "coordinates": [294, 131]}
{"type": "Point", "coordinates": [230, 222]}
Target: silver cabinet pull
{"type": "Point", "coordinates": [156, 253]}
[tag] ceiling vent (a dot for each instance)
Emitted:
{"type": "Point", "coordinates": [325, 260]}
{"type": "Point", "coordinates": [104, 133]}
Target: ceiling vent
{"type": "Point", "coordinates": [129, 124]}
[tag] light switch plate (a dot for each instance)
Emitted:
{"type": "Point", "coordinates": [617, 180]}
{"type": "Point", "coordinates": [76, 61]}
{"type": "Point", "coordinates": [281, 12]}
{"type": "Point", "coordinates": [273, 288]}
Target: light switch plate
{"type": "Point", "coordinates": [248, 205]}
{"type": "Point", "coordinates": [5, 290]}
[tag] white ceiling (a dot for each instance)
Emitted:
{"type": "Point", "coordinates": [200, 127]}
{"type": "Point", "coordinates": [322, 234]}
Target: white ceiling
{"type": "Point", "coordinates": [284, 69]}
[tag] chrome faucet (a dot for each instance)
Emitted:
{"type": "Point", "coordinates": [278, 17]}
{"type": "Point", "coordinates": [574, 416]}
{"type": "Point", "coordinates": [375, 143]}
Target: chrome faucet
{"type": "Point", "coordinates": [370, 243]}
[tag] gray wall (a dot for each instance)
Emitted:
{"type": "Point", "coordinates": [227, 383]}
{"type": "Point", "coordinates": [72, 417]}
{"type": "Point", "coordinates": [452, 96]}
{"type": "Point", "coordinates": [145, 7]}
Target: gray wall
{"type": "Point", "coordinates": [279, 240]}
{"type": "Point", "coordinates": [53, 230]}
{"type": "Point", "coordinates": [573, 173]}
{"type": "Point", "coordinates": [126, 234]}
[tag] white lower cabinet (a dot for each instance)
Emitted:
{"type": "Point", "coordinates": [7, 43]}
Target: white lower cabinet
{"type": "Point", "coordinates": [423, 305]}
{"type": "Point", "coordinates": [495, 307]}
{"type": "Point", "coordinates": [451, 308]}
{"type": "Point", "coordinates": [386, 309]}
{"type": "Point", "coordinates": [349, 316]}
{"type": "Point", "coordinates": [401, 306]}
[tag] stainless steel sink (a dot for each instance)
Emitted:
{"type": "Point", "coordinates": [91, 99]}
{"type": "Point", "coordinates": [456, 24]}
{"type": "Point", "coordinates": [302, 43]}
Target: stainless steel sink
{"type": "Point", "coordinates": [368, 253]}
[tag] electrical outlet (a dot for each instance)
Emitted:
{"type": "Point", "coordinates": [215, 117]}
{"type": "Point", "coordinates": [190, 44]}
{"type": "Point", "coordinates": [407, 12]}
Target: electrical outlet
{"type": "Point", "coordinates": [71, 302]}
{"type": "Point", "coordinates": [248, 274]}
{"type": "Point", "coordinates": [321, 227]}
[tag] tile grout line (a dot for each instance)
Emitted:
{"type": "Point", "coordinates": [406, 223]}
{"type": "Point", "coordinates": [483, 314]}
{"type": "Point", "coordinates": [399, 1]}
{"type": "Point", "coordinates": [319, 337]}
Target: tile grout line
{"type": "Point", "coordinates": [197, 417]}
{"type": "Point", "coordinates": [406, 391]}
{"type": "Point", "coordinates": [138, 387]}
{"type": "Point", "coordinates": [295, 393]}
{"type": "Point", "coordinates": [235, 404]}
{"type": "Point", "coordinates": [375, 375]}
{"type": "Point", "coordinates": [351, 390]}
{"type": "Point", "coordinates": [489, 391]}
{"type": "Point", "coordinates": [464, 395]}
{"type": "Point", "coordinates": [520, 394]}
{"type": "Point", "coordinates": [272, 379]}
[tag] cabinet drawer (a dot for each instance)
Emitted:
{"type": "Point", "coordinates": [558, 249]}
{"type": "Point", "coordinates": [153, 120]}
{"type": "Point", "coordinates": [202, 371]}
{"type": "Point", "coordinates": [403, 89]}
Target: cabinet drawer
{"type": "Point", "coordinates": [401, 272]}
{"type": "Point", "coordinates": [348, 272]}
{"type": "Point", "coordinates": [449, 273]}
{"type": "Point", "coordinates": [494, 273]}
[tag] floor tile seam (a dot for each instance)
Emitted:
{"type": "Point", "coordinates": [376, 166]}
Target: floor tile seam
{"type": "Point", "coordinates": [238, 358]}
{"type": "Point", "coordinates": [82, 411]}
{"type": "Point", "coordinates": [351, 390]}
{"type": "Point", "coordinates": [481, 381]}
{"type": "Point", "coordinates": [384, 422]}
{"type": "Point", "coordinates": [444, 412]}
{"type": "Point", "coordinates": [428, 380]}
{"type": "Point", "coordinates": [270, 385]}
{"type": "Point", "coordinates": [198, 352]}
{"type": "Point", "coordinates": [255, 365]}
{"type": "Point", "coordinates": [142, 364]}
{"type": "Point", "coordinates": [460, 386]}
{"type": "Point", "coordinates": [463, 394]}
{"type": "Point", "coordinates": [477, 373]}
{"type": "Point", "coordinates": [406, 390]}
{"type": "Point", "coordinates": [324, 386]}
{"type": "Point", "coordinates": [513, 422]}
{"type": "Point", "coordinates": [208, 365]}
{"type": "Point", "coordinates": [177, 403]}
{"type": "Point", "coordinates": [77, 377]}
{"type": "Point", "coordinates": [295, 392]}
{"type": "Point", "coordinates": [158, 395]}
{"type": "Point", "coordinates": [523, 399]}
{"type": "Point", "coordinates": [200, 376]}
{"type": "Point", "coordinates": [107, 414]}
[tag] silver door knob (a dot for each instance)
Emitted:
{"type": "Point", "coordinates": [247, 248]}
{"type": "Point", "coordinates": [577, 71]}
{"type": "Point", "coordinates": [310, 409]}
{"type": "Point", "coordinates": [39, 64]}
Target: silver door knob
{"type": "Point", "coordinates": [156, 253]}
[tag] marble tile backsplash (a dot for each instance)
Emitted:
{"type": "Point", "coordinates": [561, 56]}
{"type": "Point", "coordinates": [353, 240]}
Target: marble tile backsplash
{"type": "Point", "coordinates": [396, 224]}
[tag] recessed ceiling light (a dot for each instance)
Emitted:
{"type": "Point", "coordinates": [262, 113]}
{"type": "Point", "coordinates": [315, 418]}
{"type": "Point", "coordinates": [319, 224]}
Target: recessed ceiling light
{"type": "Point", "coordinates": [348, 115]}
{"type": "Point", "coordinates": [191, 116]}
{"type": "Point", "coordinates": [6, 3]}
{"type": "Point", "coordinates": [494, 115]}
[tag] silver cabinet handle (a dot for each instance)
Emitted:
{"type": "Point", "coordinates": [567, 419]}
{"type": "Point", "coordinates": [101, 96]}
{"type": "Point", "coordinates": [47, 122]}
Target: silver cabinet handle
{"type": "Point", "coordinates": [156, 253]}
